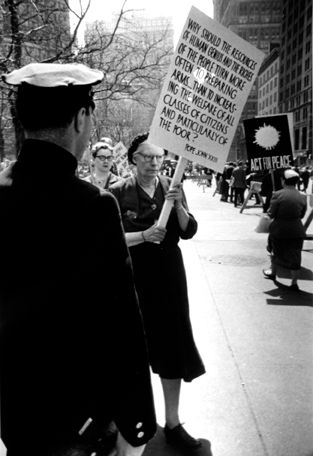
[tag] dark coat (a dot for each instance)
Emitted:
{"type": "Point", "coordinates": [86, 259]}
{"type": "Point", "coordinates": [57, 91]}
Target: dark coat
{"type": "Point", "coordinates": [71, 338]}
{"type": "Point", "coordinates": [161, 281]}
{"type": "Point", "coordinates": [238, 177]}
{"type": "Point", "coordinates": [288, 206]}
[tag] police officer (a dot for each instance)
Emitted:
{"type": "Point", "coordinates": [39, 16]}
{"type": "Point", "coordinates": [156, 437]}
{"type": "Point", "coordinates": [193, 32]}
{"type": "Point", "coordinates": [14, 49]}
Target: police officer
{"type": "Point", "coordinates": [72, 356]}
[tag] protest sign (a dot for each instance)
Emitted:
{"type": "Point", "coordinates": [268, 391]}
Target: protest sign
{"type": "Point", "coordinates": [269, 141]}
{"type": "Point", "coordinates": [209, 79]}
{"type": "Point", "coordinates": [120, 159]}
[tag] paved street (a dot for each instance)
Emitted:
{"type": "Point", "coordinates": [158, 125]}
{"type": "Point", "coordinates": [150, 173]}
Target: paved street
{"type": "Point", "coordinates": [256, 341]}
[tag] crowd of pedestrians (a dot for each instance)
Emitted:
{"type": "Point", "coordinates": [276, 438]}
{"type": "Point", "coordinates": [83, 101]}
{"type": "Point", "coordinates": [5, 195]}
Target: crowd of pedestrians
{"type": "Point", "coordinates": [283, 196]}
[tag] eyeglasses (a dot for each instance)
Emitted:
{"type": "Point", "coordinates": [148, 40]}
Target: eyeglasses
{"type": "Point", "coordinates": [148, 158]}
{"type": "Point", "coordinates": [104, 157]}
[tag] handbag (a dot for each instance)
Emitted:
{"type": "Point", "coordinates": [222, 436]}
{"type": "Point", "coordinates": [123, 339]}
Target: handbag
{"type": "Point", "coordinates": [264, 224]}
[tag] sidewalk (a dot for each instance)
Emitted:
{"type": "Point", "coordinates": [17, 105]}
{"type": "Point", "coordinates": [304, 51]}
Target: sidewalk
{"type": "Point", "coordinates": [255, 339]}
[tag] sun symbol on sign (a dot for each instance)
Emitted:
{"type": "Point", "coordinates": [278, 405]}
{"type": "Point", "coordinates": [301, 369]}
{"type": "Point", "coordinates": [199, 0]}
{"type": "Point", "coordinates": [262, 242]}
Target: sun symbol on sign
{"type": "Point", "coordinates": [267, 137]}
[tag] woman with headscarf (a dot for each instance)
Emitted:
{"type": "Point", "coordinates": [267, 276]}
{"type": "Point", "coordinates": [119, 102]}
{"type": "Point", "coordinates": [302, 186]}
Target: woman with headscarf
{"type": "Point", "coordinates": [160, 277]}
{"type": "Point", "coordinates": [287, 208]}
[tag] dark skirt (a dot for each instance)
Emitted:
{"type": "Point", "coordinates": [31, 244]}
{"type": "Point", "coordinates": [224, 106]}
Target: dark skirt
{"type": "Point", "coordinates": [287, 252]}
{"type": "Point", "coordinates": [162, 290]}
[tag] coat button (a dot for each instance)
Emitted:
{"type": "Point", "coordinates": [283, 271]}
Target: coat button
{"type": "Point", "coordinates": [139, 425]}
{"type": "Point", "coordinates": [140, 435]}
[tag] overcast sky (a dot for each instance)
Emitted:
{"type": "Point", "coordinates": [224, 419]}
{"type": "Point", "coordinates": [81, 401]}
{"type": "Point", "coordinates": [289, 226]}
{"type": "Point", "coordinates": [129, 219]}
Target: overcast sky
{"type": "Point", "coordinates": [177, 9]}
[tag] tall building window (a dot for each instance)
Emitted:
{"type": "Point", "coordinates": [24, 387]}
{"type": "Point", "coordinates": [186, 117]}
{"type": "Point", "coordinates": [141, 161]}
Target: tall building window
{"type": "Point", "coordinates": [305, 113]}
{"type": "Point", "coordinates": [307, 64]}
{"type": "Point", "coordinates": [307, 47]}
{"type": "Point", "coordinates": [304, 140]}
{"type": "Point", "coordinates": [297, 138]}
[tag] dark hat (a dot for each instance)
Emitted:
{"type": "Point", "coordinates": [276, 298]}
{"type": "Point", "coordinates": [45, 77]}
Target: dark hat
{"type": "Point", "coordinates": [54, 75]}
{"type": "Point", "coordinates": [135, 144]}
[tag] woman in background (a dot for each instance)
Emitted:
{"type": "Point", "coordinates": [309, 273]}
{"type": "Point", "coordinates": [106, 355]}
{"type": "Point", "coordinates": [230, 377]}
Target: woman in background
{"type": "Point", "coordinates": [287, 208]}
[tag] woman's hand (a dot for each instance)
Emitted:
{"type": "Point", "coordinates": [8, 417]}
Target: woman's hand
{"type": "Point", "coordinates": [175, 194]}
{"type": "Point", "coordinates": [154, 234]}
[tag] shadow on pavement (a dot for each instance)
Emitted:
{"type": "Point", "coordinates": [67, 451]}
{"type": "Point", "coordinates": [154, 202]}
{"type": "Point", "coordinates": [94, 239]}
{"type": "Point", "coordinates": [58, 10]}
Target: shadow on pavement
{"type": "Point", "coordinates": [304, 273]}
{"type": "Point", "coordinates": [283, 296]}
{"type": "Point", "coordinates": [158, 447]}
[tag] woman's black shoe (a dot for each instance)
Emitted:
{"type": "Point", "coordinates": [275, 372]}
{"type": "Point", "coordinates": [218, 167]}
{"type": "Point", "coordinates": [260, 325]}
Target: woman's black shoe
{"type": "Point", "coordinates": [268, 274]}
{"type": "Point", "coordinates": [180, 438]}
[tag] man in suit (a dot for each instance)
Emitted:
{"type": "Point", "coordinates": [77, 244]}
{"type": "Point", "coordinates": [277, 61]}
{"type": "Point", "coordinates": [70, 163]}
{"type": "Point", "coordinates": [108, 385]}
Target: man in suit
{"type": "Point", "coordinates": [72, 350]}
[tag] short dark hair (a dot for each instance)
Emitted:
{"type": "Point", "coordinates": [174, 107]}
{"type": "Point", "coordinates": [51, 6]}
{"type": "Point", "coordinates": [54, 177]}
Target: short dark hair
{"type": "Point", "coordinates": [135, 144]}
{"type": "Point", "coordinates": [292, 180]}
{"type": "Point", "coordinates": [53, 107]}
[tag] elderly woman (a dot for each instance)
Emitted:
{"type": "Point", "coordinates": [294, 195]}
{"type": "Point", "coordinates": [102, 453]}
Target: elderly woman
{"type": "Point", "coordinates": [160, 277]}
{"type": "Point", "coordinates": [102, 176]}
{"type": "Point", "coordinates": [287, 208]}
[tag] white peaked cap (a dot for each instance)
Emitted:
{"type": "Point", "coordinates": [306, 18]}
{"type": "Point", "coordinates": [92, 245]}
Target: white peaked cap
{"type": "Point", "coordinates": [54, 75]}
{"type": "Point", "coordinates": [289, 173]}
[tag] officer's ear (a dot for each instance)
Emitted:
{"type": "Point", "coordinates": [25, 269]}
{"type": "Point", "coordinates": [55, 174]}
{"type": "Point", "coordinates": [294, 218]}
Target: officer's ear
{"type": "Point", "coordinates": [80, 119]}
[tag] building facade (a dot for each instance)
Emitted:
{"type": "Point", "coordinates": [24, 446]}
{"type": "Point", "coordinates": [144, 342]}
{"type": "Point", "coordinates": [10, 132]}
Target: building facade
{"type": "Point", "coordinates": [295, 84]}
{"type": "Point", "coordinates": [268, 84]}
{"type": "Point", "coordinates": [258, 22]}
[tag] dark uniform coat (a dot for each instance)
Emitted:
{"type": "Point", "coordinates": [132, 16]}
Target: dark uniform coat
{"type": "Point", "coordinates": [71, 338]}
{"type": "Point", "coordinates": [161, 281]}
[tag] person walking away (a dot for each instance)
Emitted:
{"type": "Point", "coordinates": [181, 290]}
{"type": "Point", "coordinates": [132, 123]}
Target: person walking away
{"type": "Point", "coordinates": [267, 186]}
{"type": "Point", "coordinates": [288, 206]}
{"type": "Point", "coordinates": [305, 177]}
{"type": "Point", "coordinates": [238, 183]}
{"type": "Point", "coordinates": [73, 357]}
{"type": "Point", "coordinates": [160, 277]}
